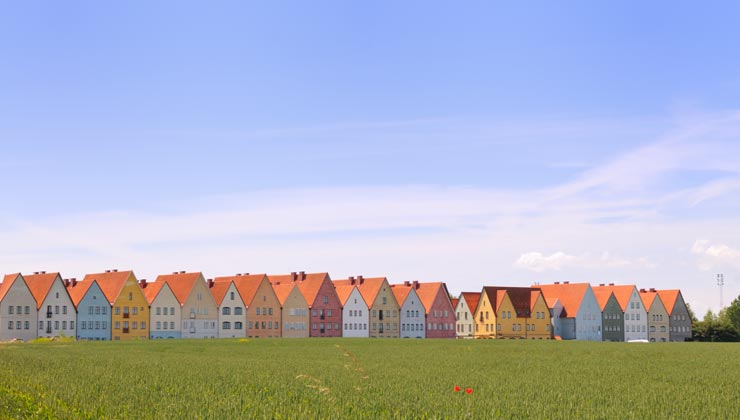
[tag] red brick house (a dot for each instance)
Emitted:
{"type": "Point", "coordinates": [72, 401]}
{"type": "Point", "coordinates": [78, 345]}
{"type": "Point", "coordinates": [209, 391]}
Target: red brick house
{"type": "Point", "coordinates": [323, 303]}
{"type": "Point", "coordinates": [440, 314]}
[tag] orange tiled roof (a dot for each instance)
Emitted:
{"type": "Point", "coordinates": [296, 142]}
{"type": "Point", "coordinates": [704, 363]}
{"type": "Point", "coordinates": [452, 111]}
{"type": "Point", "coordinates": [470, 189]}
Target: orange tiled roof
{"type": "Point", "coordinates": [471, 298]}
{"type": "Point", "coordinates": [40, 285]}
{"type": "Point", "coordinates": [283, 290]}
{"type": "Point", "coordinates": [400, 292]}
{"type": "Point", "coordinates": [669, 298]}
{"type": "Point", "coordinates": [308, 283]}
{"type": "Point", "coordinates": [622, 293]}
{"type": "Point", "coordinates": [181, 284]}
{"type": "Point", "coordinates": [368, 287]}
{"type": "Point", "coordinates": [8, 281]}
{"type": "Point", "coordinates": [218, 290]}
{"type": "Point", "coordinates": [78, 290]}
{"type": "Point", "coordinates": [648, 298]}
{"type": "Point", "coordinates": [522, 298]}
{"type": "Point", "coordinates": [427, 292]}
{"type": "Point", "coordinates": [344, 291]}
{"type": "Point", "coordinates": [570, 296]}
{"type": "Point", "coordinates": [151, 290]}
{"type": "Point", "coordinates": [111, 283]}
{"type": "Point", "coordinates": [454, 302]}
{"type": "Point", "coordinates": [246, 284]}
{"type": "Point", "coordinates": [602, 296]}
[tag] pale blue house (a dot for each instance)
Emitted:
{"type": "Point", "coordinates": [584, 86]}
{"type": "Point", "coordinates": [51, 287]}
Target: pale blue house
{"type": "Point", "coordinates": [93, 310]}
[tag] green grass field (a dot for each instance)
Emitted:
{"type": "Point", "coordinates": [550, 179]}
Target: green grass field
{"type": "Point", "coordinates": [361, 378]}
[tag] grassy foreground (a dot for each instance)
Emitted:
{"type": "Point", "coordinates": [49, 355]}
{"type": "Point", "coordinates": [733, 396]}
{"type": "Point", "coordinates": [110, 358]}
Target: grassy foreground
{"type": "Point", "coordinates": [362, 378]}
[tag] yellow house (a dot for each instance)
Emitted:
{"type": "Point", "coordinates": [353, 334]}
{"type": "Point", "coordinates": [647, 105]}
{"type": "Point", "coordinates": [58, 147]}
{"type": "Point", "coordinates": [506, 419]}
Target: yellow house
{"type": "Point", "coordinates": [129, 307]}
{"type": "Point", "coordinates": [512, 312]}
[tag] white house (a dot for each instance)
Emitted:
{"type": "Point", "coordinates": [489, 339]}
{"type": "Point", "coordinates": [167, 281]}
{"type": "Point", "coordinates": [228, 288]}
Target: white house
{"type": "Point", "coordinates": [232, 311]}
{"type": "Point", "coordinates": [579, 314]}
{"type": "Point", "coordinates": [413, 315]}
{"type": "Point", "coordinates": [635, 314]}
{"type": "Point", "coordinates": [56, 311]}
{"type": "Point", "coordinates": [355, 312]}
{"type": "Point", "coordinates": [18, 314]}
{"type": "Point", "coordinates": [164, 310]}
{"type": "Point", "coordinates": [465, 323]}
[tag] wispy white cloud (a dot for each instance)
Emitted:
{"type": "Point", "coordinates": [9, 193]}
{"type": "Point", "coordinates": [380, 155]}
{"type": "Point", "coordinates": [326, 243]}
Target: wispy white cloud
{"type": "Point", "coordinates": [538, 262]}
{"type": "Point", "coordinates": [712, 256]}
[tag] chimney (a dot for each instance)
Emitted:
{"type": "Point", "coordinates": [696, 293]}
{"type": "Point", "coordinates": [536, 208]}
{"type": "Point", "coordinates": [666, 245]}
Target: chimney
{"type": "Point", "coordinates": [557, 282]}
{"type": "Point", "coordinates": [210, 283]}
{"type": "Point", "coordinates": [642, 290]}
{"type": "Point", "coordinates": [142, 283]}
{"type": "Point", "coordinates": [302, 275]}
{"type": "Point", "coordinates": [182, 272]}
{"type": "Point", "coordinates": [351, 280]}
{"type": "Point", "coordinates": [566, 282]}
{"type": "Point", "coordinates": [115, 270]}
{"type": "Point", "coordinates": [239, 274]}
{"type": "Point", "coordinates": [292, 276]}
{"type": "Point", "coordinates": [602, 285]}
{"type": "Point", "coordinates": [174, 272]}
{"type": "Point", "coordinates": [611, 284]}
{"type": "Point", "coordinates": [107, 271]}
{"type": "Point", "coordinates": [246, 274]}
{"type": "Point", "coordinates": [360, 279]}
{"type": "Point", "coordinates": [415, 284]}
{"type": "Point", "coordinates": [74, 281]}
{"type": "Point", "coordinates": [66, 282]}
{"type": "Point", "coordinates": [43, 272]}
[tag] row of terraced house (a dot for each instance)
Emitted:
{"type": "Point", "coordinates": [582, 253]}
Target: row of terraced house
{"type": "Point", "coordinates": [115, 305]}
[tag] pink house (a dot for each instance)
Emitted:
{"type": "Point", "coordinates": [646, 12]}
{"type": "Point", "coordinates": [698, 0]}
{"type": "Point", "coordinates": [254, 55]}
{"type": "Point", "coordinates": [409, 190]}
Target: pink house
{"type": "Point", "coordinates": [440, 314]}
{"type": "Point", "coordinates": [324, 306]}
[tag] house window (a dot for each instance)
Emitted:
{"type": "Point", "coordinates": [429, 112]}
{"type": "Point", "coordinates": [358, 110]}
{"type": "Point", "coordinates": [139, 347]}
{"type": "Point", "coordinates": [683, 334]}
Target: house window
{"type": "Point", "coordinates": [237, 325]}
{"type": "Point", "coordinates": [159, 325]}
{"type": "Point", "coordinates": [133, 325]}
{"type": "Point", "coordinates": [200, 296]}
{"type": "Point", "coordinates": [26, 310]}
{"type": "Point", "coordinates": [384, 300]}
{"type": "Point", "coordinates": [134, 310]}
{"type": "Point", "coordinates": [11, 310]}
{"type": "Point", "coordinates": [56, 309]}
{"type": "Point", "coordinates": [64, 325]}
{"type": "Point", "coordinates": [237, 310]}
{"type": "Point", "coordinates": [27, 325]}
{"type": "Point", "coordinates": [56, 325]}
{"type": "Point", "coordinates": [226, 310]}
{"type": "Point", "coordinates": [270, 311]}
{"type": "Point", "coordinates": [231, 295]}
{"type": "Point", "coordinates": [326, 299]}
{"type": "Point", "coordinates": [64, 310]}
{"type": "Point", "coordinates": [328, 312]}
{"type": "Point", "coordinates": [10, 325]}
{"type": "Point", "coordinates": [118, 310]}
{"type": "Point", "coordinates": [130, 296]}
{"type": "Point", "coordinates": [226, 325]}
{"type": "Point", "coordinates": [159, 312]}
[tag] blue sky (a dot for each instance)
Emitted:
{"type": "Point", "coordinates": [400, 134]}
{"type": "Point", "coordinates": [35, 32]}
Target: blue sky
{"type": "Point", "coordinates": [488, 142]}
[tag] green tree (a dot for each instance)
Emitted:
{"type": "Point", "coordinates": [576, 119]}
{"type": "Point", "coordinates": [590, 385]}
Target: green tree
{"type": "Point", "coordinates": [732, 313]}
{"type": "Point", "coordinates": [692, 315]}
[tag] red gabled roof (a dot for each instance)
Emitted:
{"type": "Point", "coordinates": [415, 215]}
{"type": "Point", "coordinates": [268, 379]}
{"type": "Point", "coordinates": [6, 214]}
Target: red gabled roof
{"type": "Point", "coordinates": [427, 292]}
{"type": "Point", "coordinates": [669, 298]}
{"type": "Point", "coordinates": [471, 298]}
{"type": "Point", "coordinates": [111, 283]}
{"type": "Point", "coordinates": [368, 287]}
{"type": "Point", "coordinates": [454, 302]}
{"type": "Point", "coordinates": [246, 284]}
{"type": "Point", "coordinates": [570, 296]}
{"type": "Point", "coordinates": [151, 290]}
{"type": "Point", "coordinates": [602, 296]}
{"type": "Point", "coordinates": [522, 298]}
{"type": "Point", "coordinates": [40, 285]}
{"type": "Point", "coordinates": [218, 290]}
{"type": "Point", "coordinates": [344, 291]}
{"type": "Point", "coordinates": [622, 293]}
{"type": "Point", "coordinates": [8, 281]}
{"type": "Point", "coordinates": [77, 290]}
{"type": "Point", "coordinates": [309, 284]}
{"type": "Point", "coordinates": [181, 284]}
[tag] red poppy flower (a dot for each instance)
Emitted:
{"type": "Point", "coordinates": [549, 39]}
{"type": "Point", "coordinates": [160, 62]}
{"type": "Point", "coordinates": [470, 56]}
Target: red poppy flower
{"type": "Point", "coordinates": [456, 389]}
{"type": "Point", "coordinates": [469, 390]}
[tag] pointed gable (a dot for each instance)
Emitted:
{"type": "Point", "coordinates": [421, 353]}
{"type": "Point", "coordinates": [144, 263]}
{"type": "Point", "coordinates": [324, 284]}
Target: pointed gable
{"type": "Point", "coordinates": [246, 284]}
{"type": "Point", "coordinates": [622, 293]}
{"type": "Point", "coordinates": [78, 289]}
{"type": "Point", "coordinates": [219, 289]}
{"type": "Point", "coordinates": [649, 298]}
{"type": "Point", "coordinates": [428, 292]}
{"type": "Point", "coordinates": [570, 296]}
{"type": "Point", "coordinates": [471, 299]}
{"type": "Point", "coordinates": [40, 285]}
{"type": "Point", "coordinates": [368, 287]}
{"type": "Point", "coordinates": [181, 284]}
{"type": "Point", "coordinates": [521, 299]}
{"type": "Point", "coordinates": [602, 296]}
{"type": "Point", "coordinates": [8, 282]}
{"type": "Point", "coordinates": [400, 292]}
{"type": "Point", "coordinates": [151, 290]}
{"type": "Point", "coordinates": [111, 282]}
{"type": "Point", "coordinates": [283, 290]}
{"type": "Point", "coordinates": [344, 291]}
{"type": "Point", "coordinates": [308, 283]}
{"type": "Point", "coordinates": [669, 298]}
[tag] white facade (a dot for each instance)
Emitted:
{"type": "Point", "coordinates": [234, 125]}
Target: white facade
{"type": "Point", "coordinates": [355, 316]}
{"type": "Point", "coordinates": [165, 313]}
{"type": "Point", "coordinates": [588, 319]}
{"type": "Point", "coordinates": [232, 315]}
{"type": "Point", "coordinates": [465, 324]}
{"type": "Point", "coordinates": [18, 314]}
{"type": "Point", "coordinates": [412, 317]}
{"type": "Point", "coordinates": [635, 318]}
{"type": "Point", "coordinates": [57, 314]}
